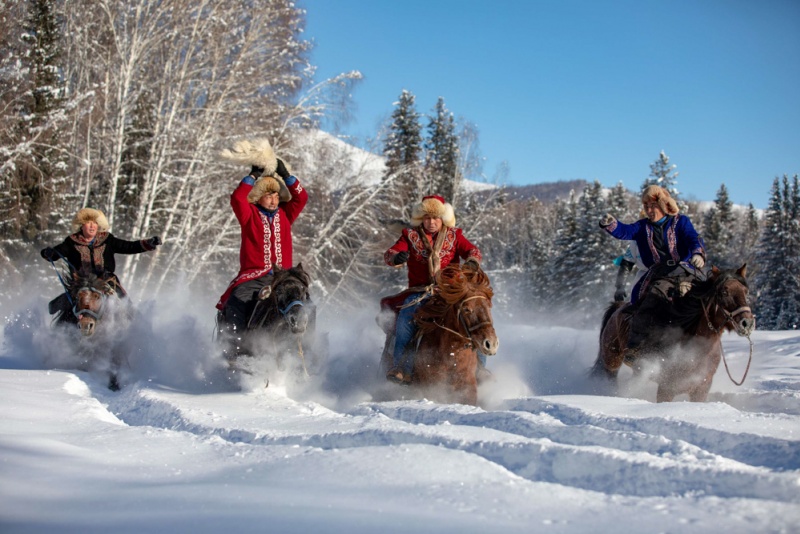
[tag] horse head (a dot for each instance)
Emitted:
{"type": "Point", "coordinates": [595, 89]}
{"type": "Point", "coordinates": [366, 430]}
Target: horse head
{"type": "Point", "coordinates": [468, 292]}
{"type": "Point", "coordinates": [290, 291]}
{"type": "Point", "coordinates": [89, 293]}
{"type": "Point", "coordinates": [730, 300]}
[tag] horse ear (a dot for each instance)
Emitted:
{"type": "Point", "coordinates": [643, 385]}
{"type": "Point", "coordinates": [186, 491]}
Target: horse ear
{"type": "Point", "coordinates": [715, 271]}
{"type": "Point", "coordinates": [742, 271]}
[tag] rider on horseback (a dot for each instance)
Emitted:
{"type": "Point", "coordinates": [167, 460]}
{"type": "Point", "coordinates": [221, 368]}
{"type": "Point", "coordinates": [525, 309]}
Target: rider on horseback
{"type": "Point", "coordinates": [266, 203]}
{"type": "Point", "coordinates": [90, 249]}
{"type": "Point", "coordinates": [664, 239]}
{"type": "Point", "coordinates": [431, 245]}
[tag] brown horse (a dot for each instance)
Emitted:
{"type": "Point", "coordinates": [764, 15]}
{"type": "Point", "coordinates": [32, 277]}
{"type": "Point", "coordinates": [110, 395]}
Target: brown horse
{"type": "Point", "coordinates": [687, 354]}
{"type": "Point", "coordinates": [453, 325]}
{"type": "Point", "coordinates": [88, 294]}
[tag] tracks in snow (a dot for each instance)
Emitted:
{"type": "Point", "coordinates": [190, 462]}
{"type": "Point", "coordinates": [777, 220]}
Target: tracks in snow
{"type": "Point", "coordinates": [625, 447]}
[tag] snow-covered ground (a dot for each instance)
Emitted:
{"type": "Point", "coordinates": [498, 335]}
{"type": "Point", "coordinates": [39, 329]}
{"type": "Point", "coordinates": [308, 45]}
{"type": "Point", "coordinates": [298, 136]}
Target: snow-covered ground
{"type": "Point", "coordinates": [180, 449]}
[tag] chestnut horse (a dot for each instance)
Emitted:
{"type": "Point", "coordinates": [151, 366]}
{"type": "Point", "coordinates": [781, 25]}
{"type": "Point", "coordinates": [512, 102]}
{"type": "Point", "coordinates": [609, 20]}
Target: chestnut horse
{"type": "Point", "coordinates": [688, 354]}
{"type": "Point", "coordinates": [453, 325]}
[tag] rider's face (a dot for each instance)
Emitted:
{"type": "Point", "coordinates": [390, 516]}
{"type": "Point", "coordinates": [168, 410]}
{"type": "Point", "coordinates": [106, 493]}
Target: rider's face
{"type": "Point", "coordinates": [653, 211]}
{"type": "Point", "coordinates": [432, 224]}
{"type": "Point", "coordinates": [89, 229]}
{"type": "Point", "coordinates": [269, 201]}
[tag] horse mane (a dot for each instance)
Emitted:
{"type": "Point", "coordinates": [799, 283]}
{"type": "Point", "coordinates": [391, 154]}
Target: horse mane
{"type": "Point", "coordinates": [280, 275]}
{"type": "Point", "coordinates": [79, 279]}
{"type": "Point", "coordinates": [453, 284]}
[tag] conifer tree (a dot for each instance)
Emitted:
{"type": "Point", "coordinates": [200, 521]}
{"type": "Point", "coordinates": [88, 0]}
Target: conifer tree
{"type": "Point", "coordinates": [29, 177]}
{"type": "Point", "coordinates": [442, 173]}
{"type": "Point", "coordinates": [718, 229]}
{"type": "Point", "coordinates": [745, 239]}
{"type": "Point", "coordinates": [665, 175]}
{"type": "Point", "coordinates": [778, 253]}
{"type": "Point", "coordinates": [403, 149]}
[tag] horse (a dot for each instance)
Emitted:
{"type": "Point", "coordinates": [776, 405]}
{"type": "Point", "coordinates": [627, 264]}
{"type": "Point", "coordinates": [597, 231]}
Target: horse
{"type": "Point", "coordinates": [88, 294]}
{"type": "Point", "coordinates": [283, 320]}
{"type": "Point", "coordinates": [453, 325]}
{"type": "Point", "coordinates": [688, 351]}
{"type": "Point", "coordinates": [86, 304]}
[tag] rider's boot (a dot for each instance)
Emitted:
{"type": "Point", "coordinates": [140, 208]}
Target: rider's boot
{"type": "Point", "coordinates": [482, 374]}
{"type": "Point", "coordinates": [400, 373]}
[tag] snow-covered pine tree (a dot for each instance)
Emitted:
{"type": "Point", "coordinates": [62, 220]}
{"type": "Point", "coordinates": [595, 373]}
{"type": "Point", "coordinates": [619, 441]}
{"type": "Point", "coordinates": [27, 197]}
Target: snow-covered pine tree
{"type": "Point", "coordinates": [560, 274]}
{"type": "Point", "coordinates": [590, 253]}
{"type": "Point", "coordinates": [777, 287]}
{"type": "Point", "coordinates": [32, 175]}
{"type": "Point", "coordinates": [442, 172]}
{"type": "Point", "coordinates": [403, 150]}
{"type": "Point", "coordinates": [718, 232]}
{"type": "Point", "coordinates": [665, 175]}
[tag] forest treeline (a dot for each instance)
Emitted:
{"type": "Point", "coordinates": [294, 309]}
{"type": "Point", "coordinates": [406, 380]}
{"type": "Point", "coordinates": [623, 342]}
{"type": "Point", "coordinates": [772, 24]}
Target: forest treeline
{"type": "Point", "coordinates": [122, 105]}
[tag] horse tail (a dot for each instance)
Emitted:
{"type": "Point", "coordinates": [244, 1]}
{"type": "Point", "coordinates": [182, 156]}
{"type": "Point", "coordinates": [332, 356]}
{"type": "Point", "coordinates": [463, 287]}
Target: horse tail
{"type": "Point", "coordinates": [599, 368]}
{"type": "Point", "coordinates": [614, 306]}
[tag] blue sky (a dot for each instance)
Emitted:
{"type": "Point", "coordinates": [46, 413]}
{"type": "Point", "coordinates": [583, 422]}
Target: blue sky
{"type": "Point", "coordinates": [572, 89]}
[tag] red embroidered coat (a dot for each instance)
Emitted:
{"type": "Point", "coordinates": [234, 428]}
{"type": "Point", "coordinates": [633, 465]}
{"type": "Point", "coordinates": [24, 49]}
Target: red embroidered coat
{"type": "Point", "coordinates": [265, 242]}
{"type": "Point", "coordinates": [454, 248]}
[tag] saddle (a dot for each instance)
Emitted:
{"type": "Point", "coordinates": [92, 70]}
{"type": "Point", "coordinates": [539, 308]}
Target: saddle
{"type": "Point", "coordinates": [675, 282]}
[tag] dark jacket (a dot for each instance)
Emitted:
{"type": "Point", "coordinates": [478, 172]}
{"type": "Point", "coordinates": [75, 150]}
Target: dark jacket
{"type": "Point", "coordinates": [97, 256]}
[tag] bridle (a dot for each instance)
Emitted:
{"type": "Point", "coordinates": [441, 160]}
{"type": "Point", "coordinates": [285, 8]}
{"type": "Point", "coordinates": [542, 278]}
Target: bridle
{"type": "Point", "coordinates": [286, 309]}
{"type": "Point", "coordinates": [103, 295]}
{"type": "Point", "coordinates": [729, 315]}
{"type": "Point", "coordinates": [463, 322]}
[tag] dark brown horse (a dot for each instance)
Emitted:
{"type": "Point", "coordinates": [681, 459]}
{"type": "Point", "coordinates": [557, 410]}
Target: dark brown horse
{"type": "Point", "coordinates": [453, 325]}
{"type": "Point", "coordinates": [94, 302]}
{"type": "Point", "coordinates": [284, 319]}
{"type": "Point", "coordinates": [686, 355]}
{"type": "Point", "coordinates": [88, 294]}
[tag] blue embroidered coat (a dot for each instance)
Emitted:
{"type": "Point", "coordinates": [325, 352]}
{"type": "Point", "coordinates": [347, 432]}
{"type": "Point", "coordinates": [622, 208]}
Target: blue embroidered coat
{"type": "Point", "coordinates": [680, 240]}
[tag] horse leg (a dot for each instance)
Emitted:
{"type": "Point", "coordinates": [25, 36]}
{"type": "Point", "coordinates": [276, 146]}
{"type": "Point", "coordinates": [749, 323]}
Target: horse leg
{"type": "Point", "coordinates": [600, 370]}
{"type": "Point", "coordinates": [700, 392]}
{"type": "Point", "coordinates": [665, 393]}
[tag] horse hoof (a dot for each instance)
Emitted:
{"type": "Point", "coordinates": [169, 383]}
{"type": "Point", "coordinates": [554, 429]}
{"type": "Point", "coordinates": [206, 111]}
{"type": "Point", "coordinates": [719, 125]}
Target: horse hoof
{"type": "Point", "coordinates": [113, 384]}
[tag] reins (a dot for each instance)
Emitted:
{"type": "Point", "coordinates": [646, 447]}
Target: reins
{"type": "Point", "coordinates": [60, 279]}
{"type": "Point", "coordinates": [468, 329]}
{"type": "Point", "coordinates": [728, 319]}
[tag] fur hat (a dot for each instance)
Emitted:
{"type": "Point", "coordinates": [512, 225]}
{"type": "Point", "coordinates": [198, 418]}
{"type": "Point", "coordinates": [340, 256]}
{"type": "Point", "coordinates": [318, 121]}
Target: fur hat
{"type": "Point", "coordinates": [435, 206]}
{"type": "Point", "coordinates": [257, 152]}
{"type": "Point", "coordinates": [269, 184]}
{"type": "Point", "coordinates": [656, 193]}
{"type": "Point", "coordinates": [87, 215]}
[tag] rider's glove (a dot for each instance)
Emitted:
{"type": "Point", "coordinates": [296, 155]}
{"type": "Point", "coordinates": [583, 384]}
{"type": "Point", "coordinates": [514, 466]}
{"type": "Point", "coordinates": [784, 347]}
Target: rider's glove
{"type": "Point", "coordinates": [256, 171]}
{"type": "Point", "coordinates": [606, 220]}
{"type": "Point", "coordinates": [49, 254]}
{"type": "Point", "coordinates": [473, 263]}
{"type": "Point", "coordinates": [153, 242]}
{"type": "Point", "coordinates": [400, 258]}
{"type": "Point", "coordinates": [698, 261]}
{"type": "Point", "coordinates": [281, 170]}
{"type": "Point", "coordinates": [620, 294]}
